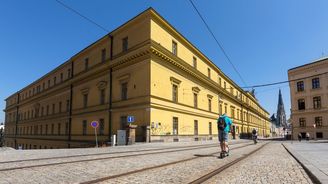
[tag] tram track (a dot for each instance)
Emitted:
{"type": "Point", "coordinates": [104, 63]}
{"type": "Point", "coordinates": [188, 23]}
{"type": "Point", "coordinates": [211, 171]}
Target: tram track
{"type": "Point", "coordinates": [103, 179]}
{"type": "Point", "coordinates": [217, 171]}
{"type": "Point", "coordinates": [126, 154]}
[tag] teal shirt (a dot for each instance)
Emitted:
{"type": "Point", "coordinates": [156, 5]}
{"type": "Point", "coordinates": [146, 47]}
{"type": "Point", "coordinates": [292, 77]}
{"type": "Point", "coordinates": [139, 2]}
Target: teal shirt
{"type": "Point", "coordinates": [229, 123]}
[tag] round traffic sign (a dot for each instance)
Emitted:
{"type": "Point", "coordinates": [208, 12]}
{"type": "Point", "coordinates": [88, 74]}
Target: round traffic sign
{"type": "Point", "coordinates": [94, 124]}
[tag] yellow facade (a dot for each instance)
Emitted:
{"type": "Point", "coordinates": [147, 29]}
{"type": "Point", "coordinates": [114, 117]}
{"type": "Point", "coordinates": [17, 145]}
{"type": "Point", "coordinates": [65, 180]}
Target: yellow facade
{"type": "Point", "coordinates": [131, 72]}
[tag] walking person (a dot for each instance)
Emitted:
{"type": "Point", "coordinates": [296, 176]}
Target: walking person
{"type": "Point", "coordinates": [254, 135]}
{"type": "Point", "coordinates": [299, 137]}
{"type": "Point", "coordinates": [307, 136]}
{"type": "Point", "coordinates": [224, 126]}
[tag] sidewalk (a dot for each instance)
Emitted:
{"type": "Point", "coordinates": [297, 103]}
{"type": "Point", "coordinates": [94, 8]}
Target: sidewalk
{"type": "Point", "coordinates": [312, 156]}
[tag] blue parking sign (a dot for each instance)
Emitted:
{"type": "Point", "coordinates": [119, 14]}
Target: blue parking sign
{"type": "Point", "coordinates": [130, 119]}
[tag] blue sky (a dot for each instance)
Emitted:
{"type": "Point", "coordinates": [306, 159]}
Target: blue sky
{"type": "Point", "coordinates": [263, 38]}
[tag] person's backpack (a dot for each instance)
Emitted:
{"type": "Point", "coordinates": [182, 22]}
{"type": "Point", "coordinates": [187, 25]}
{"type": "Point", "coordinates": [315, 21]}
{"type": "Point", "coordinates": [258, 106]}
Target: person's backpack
{"type": "Point", "coordinates": [221, 123]}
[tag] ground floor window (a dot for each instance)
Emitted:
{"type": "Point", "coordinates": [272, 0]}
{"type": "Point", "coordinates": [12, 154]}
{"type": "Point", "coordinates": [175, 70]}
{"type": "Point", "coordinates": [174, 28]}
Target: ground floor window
{"type": "Point", "coordinates": [319, 135]}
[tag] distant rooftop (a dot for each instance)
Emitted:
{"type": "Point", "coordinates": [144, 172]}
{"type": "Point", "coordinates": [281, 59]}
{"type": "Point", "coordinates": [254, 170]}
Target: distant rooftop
{"type": "Point", "coordinates": [313, 62]}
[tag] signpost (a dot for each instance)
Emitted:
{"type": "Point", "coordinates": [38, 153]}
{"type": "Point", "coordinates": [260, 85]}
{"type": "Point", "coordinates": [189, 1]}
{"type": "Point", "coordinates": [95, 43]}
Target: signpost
{"type": "Point", "coordinates": [95, 125]}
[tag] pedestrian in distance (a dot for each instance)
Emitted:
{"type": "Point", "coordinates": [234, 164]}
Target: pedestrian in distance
{"type": "Point", "coordinates": [224, 124]}
{"type": "Point", "coordinates": [254, 135]}
{"type": "Point", "coordinates": [299, 137]}
{"type": "Point", "coordinates": [307, 136]}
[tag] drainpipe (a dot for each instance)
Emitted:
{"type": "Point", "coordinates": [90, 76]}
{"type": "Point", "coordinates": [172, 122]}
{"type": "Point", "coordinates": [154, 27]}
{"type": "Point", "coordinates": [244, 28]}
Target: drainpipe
{"type": "Point", "coordinates": [70, 108]}
{"type": "Point", "coordinates": [110, 91]}
{"type": "Point", "coordinates": [16, 123]}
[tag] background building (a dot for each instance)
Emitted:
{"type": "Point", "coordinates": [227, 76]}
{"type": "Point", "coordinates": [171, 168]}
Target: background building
{"type": "Point", "coordinates": [145, 69]}
{"type": "Point", "coordinates": [309, 99]}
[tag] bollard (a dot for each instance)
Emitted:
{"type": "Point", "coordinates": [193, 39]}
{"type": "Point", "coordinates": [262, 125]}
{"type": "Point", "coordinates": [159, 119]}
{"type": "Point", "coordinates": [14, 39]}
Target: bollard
{"type": "Point", "coordinates": [113, 140]}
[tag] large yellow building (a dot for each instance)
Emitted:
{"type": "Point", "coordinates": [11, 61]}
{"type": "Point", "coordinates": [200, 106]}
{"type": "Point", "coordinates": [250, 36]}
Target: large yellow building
{"type": "Point", "coordinates": [145, 69]}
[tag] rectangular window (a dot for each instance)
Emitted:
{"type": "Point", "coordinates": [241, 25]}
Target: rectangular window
{"type": "Point", "coordinates": [174, 93]}
{"type": "Point", "coordinates": [225, 85]}
{"type": "Point", "coordinates": [220, 109]}
{"type": "Point", "coordinates": [317, 102]}
{"type": "Point", "coordinates": [123, 122]}
{"type": "Point", "coordinates": [208, 72]}
{"type": "Point", "coordinates": [210, 128]}
{"type": "Point", "coordinates": [124, 91]}
{"type": "Point", "coordinates": [67, 105]}
{"type": "Point", "coordinates": [61, 77]}
{"type": "Point", "coordinates": [43, 86]}
{"type": "Point", "coordinates": [85, 100]}
{"type": "Point", "coordinates": [47, 110]}
{"type": "Point", "coordinates": [55, 80]}
{"type": "Point", "coordinates": [101, 126]}
{"type": "Point", "coordinates": [125, 44]}
{"type": "Point", "coordinates": [86, 63]}
{"type": "Point", "coordinates": [232, 112]}
{"type": "Point", "coordinates": [302, 122]}
{"type": "Point", "coordinates": [318, 121]}
{"type": "Point", "coordinates": [195, 127]}
{"type": "Point", "coordinates": [46, 129]}
{"type": "Point", "coordinates": [195, 100]}
{"type": "Point", "coordinates": [84, 127]}
{"type": "Point", "coordinates": [175, 126]}
{"type": "Point", "coordinates": [220, 81]}
{"type": "Point", "coordinates": [52, 129]}
{"type": "Point", "coordinates": [68, 73]}
{"type": "Point", "coordinates": [315, 83]}
{"type": "Point", "coordinates": [42, 109]}
{"type": "Point", "coordinates": [102, 96]}
{"type": "Point", "coordinates": [174, 48]}
{"type": "Point", "coordinates": [231, 90]}
{"type": "Point", "coordinates": [53, 108]}
{"type": "Point", "coordinates": [59, 129]}
{"type": "Point", "coordinates": [48, 85]}
{"type": "Point", "coordinates": [66, 128]}
{"type": "Point", "coordinates": [301, 104]}
{"type": "Point", "coordinates": [300, 86]}
{"type": "Point", "coordinates": [209, 105]}
{"type": "Point", "coordinates": [194, 62]}
{"type": "Point", "coordinates": [60, 107]}
{"type": "Point", "coordinates": [103, 55]}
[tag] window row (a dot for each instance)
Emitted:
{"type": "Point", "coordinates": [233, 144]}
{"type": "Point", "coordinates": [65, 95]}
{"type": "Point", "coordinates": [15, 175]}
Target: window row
{"type": "Point", "coordinates": [50, 83]}
{"type": "Point", "coordinates": [316, 103]}
{"type": "Point", "coordinates": [175, 127]}
{"type": "Point", "coordinates": [47, 129]}
{"type": "Point", "coordinates": [317, 122]}
{"type": "Point", "coordinates": [194, 63]}
{"type": "Point", "coordinates": [315, 84]}
{"type": "Point", "coordinates": [44, 111]}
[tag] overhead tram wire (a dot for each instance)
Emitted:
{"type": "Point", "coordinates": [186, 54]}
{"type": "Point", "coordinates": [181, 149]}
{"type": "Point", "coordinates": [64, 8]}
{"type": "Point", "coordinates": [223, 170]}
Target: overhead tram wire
{"type": "Point", "coordinates": [216, 40]}
{"type": "Point", "coordinates": [81, 15]}
{"type": "Point", "coordinates": [281, 82]}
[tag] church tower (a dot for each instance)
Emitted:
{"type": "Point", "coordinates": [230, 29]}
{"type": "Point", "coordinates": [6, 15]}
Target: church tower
{"type": "Point", "coordinates": [281, 116]}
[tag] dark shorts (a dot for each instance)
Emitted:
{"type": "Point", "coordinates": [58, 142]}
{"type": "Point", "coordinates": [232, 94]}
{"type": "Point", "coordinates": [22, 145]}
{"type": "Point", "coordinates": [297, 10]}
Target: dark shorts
{"type": "Point", "coordinates": [223, 136]}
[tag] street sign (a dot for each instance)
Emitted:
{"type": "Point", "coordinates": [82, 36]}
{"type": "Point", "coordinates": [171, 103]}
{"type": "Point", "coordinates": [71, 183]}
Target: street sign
{"type": "Point", "coordinates": [94, 124]}
{"type": "Point", "coordinates": [130, 119]}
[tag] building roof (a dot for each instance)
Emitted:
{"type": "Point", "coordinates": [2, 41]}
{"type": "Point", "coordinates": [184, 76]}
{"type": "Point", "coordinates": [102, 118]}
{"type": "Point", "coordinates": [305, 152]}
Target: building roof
{"type": "Point", "coordinates": [323, 59]}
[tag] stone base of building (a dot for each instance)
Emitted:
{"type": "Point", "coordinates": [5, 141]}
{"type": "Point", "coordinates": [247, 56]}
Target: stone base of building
{"type": "Point", "coordinates": [185, 138]}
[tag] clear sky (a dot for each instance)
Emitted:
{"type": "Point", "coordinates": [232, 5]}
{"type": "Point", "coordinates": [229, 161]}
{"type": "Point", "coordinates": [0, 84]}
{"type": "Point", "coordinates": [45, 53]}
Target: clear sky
{"type": "Point", "coordinates": [263, 38]}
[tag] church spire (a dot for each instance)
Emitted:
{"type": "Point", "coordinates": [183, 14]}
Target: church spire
{"type": "Point", "coordinates": [281, 116]}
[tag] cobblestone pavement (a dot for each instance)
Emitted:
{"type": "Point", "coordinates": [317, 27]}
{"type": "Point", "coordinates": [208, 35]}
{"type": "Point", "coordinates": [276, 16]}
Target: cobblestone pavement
{"type": "Point", "coordinates": [185, 172]}
{"type": "Point", "coordinates": [272, 164]}
{"type": "Point", "coordinates": [84, 171]}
